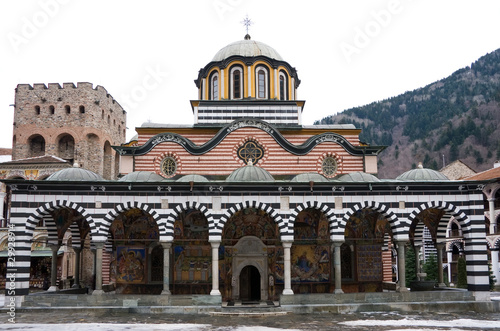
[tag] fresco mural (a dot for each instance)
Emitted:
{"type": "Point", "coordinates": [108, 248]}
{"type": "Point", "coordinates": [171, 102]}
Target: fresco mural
{"type": "Point", "coordinates": [192, 254]}
{"type": "Point", "coordinates": [310, 253]}
{"type": "Point", "coordinates": [250, 222]}
{"type": "Point", "coordinates": [132, 233]}
{"type": "Point", "coordinates": [362, 262]}
{"type": "Point", "coordinates": [131, 262]}
{"type": "Point", "coordinates": [430, 218]}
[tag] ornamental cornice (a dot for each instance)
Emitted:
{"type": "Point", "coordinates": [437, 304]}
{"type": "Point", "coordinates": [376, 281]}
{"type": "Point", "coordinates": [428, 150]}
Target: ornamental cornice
{"type": "Point", "coordinates": [300, 150]}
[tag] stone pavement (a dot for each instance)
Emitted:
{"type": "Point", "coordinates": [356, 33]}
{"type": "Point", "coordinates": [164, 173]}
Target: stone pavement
{"type": "Point", "coordinates": [134, 318]}
{"type": "Point", "coordinates": [89, 321]}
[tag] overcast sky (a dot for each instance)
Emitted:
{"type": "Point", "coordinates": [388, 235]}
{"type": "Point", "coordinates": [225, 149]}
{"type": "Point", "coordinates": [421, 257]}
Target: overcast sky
{"type": "Point", "coordinates": [147, 53]}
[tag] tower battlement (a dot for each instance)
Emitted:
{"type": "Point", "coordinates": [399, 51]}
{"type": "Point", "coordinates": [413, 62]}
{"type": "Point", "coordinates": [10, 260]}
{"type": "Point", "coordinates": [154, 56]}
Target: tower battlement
{"type": "Point", "coordinates": [77, 122]}
{"type": "Point", "coordinates": [56, 87]}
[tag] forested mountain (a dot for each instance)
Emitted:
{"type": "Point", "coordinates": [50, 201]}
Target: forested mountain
{"type": "Point", "coordinates": [454, 118]}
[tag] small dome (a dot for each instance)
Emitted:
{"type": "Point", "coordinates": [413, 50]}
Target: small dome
{"type": "Point", "coordinates": [309, 177]}
{"type": "Point", "coordinates": [141, 176]}
{"type": "Point", "coordinates": [192, 178]}
{"type": "Point", "coordinates": [75, 174]}
{"type": "Point", "coordinates": [358, 177]}
{"type": "Point", "coordinates": [250, 173]}
{"type": "Point", "coordinates": [247, 48]}
{"type": "Point", "coordinates": [422, 174]}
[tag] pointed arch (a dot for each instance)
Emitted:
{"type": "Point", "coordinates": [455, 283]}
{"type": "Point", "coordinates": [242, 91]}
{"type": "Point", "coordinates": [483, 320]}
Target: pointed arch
{"type": "Point", "coordinates": [458, 243]}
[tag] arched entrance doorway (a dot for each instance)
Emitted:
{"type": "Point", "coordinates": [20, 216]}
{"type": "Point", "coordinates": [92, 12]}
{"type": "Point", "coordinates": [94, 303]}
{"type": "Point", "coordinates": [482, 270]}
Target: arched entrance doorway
{"type": "Point", "coordinates": [250, 267]}
{"type": "Point", "coordinates": [251, 257]}
{"type": "Point", "coordinates": [250, 284]}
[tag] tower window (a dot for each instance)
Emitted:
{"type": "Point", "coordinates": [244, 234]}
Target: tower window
{"type": "Point", "coordinates": [215, 87]}
{"type": "Point", "coordinates": [283, 87]}
{"type": "Point", "coordinates": [236, 83]}
{"type": "Point", "coordinates": [37, 110]}
{"type": "Point", "coordinates": [67, 109]}
{"type": "Point", "coordinates": [262, 86]}
{"type": "Point", "coordinates": [82, 109]}
{"type": "Point", "coordinates": [52, 110]}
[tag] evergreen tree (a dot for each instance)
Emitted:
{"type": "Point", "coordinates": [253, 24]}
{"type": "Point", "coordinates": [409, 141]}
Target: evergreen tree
{"type": "Point", "coordinates": [431, 268]}
{"type": "Point", "coordinates": [492, 278]}
{"type": "Point", "coordinates": [462, 273]}
{"type": "Point", "coordinates": [453, 152]}
{"type": "Point", "coordinates": [410, 265]}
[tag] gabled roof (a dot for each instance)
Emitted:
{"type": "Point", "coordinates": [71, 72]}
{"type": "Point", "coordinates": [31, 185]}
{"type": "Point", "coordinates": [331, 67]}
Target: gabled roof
{"type": "Point", "coordinates": [488, 174]}
{"type": "Point", "coordinates": [36, 160]}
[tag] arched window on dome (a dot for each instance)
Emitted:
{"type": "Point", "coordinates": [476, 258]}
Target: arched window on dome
{"type": "Point", "coordinates": [283, 87]}
{"type": "Point", "coordinates": [214, 86]}
{"type": "Point", "coordinates": [236, 85]}
{"type": "Point", "coordinates": [262, 82]}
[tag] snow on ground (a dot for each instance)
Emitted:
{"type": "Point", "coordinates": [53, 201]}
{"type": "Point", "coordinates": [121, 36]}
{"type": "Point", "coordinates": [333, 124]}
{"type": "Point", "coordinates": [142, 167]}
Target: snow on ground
{"type": "Point", "coordinates": [127, 327]}
{"type": "Point", "coordinates": [459, 323]}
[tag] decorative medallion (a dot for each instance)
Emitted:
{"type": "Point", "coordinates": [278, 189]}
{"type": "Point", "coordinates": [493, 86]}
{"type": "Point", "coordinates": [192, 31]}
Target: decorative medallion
{"type": "Point", "coordinates": [250, 151]}
{"type": "Point", "coordinates": [168, 166]}
{"type": "Point", "coordinates": [329, 166]}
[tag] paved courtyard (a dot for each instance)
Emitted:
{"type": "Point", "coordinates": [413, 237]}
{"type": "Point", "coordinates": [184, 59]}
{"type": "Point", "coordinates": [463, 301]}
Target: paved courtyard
{"type": "Point", "coordinates": [85, 321]}
{"type": "Point", "coordinates": [104, 319]}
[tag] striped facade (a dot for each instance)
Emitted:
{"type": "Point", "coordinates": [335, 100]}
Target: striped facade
{"type": "Point", "coordinates": [466, 206]}
{"type": "Point", "coordinates": [247, 96]}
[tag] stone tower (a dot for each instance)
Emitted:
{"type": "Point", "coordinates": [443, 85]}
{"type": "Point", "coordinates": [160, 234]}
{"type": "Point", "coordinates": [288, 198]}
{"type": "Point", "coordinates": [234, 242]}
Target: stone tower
{"type": "Point", "coordinates": [76, 123]}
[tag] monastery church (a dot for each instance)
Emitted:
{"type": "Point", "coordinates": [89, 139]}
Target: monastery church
{"type": "Point", "coordinates": [245, 204]}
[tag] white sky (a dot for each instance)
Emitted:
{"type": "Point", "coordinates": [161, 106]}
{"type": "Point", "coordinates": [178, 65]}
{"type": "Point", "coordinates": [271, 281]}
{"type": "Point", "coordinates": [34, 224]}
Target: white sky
{"type": "Point", "coordinates": [347, 53]}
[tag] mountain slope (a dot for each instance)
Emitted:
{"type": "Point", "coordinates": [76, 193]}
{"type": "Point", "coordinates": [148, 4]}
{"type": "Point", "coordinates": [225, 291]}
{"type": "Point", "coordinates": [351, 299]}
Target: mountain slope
{"type": "Point", "coordinates": [454, 118]}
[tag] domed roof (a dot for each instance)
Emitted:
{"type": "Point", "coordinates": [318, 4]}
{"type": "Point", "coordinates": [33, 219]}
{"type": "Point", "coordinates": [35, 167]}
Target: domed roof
{"type": "Point", "coordinates": [141, 176]}
{"type": "Point", "coordinates": [247, 48]}
{"type": "Point", "coordinates": [250, 173]}
{"type": "Point", "coordinates": [192, 178]}
{"type": "Point", "coordinates": [309, 177]}
{"type": "Point", "coordinates": [75, 174]}
{"type": "Point", "coordinates": [358, 177]}
{"type": "Point", "coordinates": [422, 174]}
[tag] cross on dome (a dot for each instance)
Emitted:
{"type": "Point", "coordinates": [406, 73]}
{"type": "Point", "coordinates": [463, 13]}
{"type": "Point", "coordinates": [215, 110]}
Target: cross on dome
{"type": "Point", "coordinates": [247, 22]}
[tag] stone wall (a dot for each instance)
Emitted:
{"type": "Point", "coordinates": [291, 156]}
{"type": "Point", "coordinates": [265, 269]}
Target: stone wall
{"type": "Point", "coordinates": [75, 123]}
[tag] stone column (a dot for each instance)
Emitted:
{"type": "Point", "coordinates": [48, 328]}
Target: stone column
{"type": "Point", "coordinates": [215, 268]}
{"type": "Point", "coordinates": [449, 258]}
{"type": "Point", "coordinates": [53, 270]}
{"type": "Point", "coordinates": [493, 224]}
{"type": "Point", "coordinates": [337, 266]}
{"type": "Point", "coordinates": [2, 201]}
{"type": "Point", "coordinates": [401, 265]}
{"type": "Point", "coordinates": [417, 261]}
{"type": "Point", "coordinates": [78, 251]}
{"type": "Point", "coordinates": [439, 247]}
{"type": "Point", "coordinates": [98, 268]}
{"type": "Point", "coordinates": [495, 266]}
{"type": "Point", "coordinates": [288, 269]}
{"type": "Point", "coordinates": [166, 268]}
